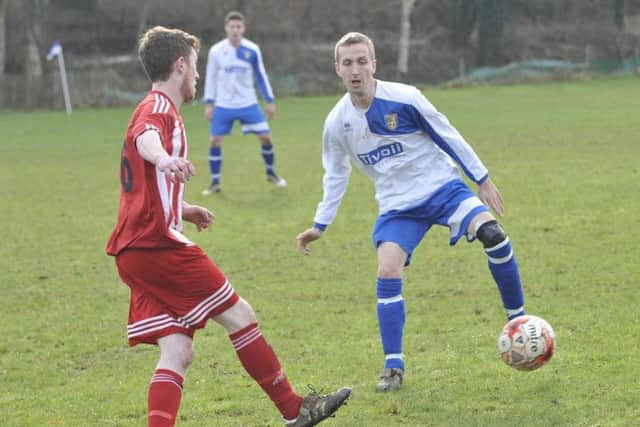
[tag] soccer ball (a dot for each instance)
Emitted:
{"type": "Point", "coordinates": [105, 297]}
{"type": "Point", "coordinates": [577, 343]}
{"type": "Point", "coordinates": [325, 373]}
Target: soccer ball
{"type": "Point", "coordinates": [526, 342]}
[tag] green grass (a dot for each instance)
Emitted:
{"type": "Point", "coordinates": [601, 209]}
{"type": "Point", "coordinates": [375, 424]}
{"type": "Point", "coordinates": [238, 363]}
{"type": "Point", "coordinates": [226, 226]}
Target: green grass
{"type": "Point", "coordinates": [565, 156]}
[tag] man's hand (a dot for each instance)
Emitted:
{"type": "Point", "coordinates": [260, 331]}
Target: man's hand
{"type": "Point", "coordinates": [176, 168]}
{"type": "Point", "coordinates": [269, 110]}
{"type": "Point", "coordinates": [307, 237]}
{"type": "Point", "coordinates": [208, 112]}
{"type": "Point", "coordinates": [201, 217]}
{"type": "Point", "coordinates": [489, 195]}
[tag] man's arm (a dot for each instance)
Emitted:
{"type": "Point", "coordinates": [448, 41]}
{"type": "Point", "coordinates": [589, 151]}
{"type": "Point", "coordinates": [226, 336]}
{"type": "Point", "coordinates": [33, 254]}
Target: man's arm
{"type": "Point", "coordinates": [262, 79]}
{"type": "Point", "coordinates": [447, 137]}
{"type": "Point", "coordinates": [210, 85]}
{"type": "Point", "coordinates": [335, 161]}
{"type": "Point", "coordinates": [150, 148]}
{"type": "Point", "coordinates": [452, 143]}
{"type": "Point", "coordinates": [337, 170]}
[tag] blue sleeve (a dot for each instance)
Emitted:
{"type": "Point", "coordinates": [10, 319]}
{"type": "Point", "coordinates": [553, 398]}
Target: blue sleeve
{"type": "Point", "coordinates": [262, 79]}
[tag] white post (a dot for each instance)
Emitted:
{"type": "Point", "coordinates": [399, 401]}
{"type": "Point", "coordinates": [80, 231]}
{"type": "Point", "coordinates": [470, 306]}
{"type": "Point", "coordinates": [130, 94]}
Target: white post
{"type": "Point", "coordinates": [461, 69]}
{"type": "Point", "coordinates": [65, 85]}
{"type": "Point", "coordinates": [587, 56]}
{"type": "Point", "coordinates": [56, 51]}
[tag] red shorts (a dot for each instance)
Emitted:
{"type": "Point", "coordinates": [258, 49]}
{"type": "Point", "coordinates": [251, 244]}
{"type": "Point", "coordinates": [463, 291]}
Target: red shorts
{"type": "Point", "coordinates": [173, 290]}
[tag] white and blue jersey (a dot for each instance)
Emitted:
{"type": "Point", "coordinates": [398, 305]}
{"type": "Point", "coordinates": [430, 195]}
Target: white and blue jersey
{"type": "Point", "coordinates": [405, 146]}
{"type": "Point", "coordinates": [231, 73]}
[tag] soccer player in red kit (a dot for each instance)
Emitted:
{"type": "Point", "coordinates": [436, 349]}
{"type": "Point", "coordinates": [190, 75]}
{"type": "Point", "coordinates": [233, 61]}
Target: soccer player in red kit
{"type": "Point", "coordinates": [175, 287]}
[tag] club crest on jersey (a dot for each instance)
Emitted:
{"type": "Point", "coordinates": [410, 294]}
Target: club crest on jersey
{"type": "Point", "coordinates": [247, 54]}
{"type": "Point", "coordinates": [381, 153]}
{"type": "Point", "coordinates": [391, 120]}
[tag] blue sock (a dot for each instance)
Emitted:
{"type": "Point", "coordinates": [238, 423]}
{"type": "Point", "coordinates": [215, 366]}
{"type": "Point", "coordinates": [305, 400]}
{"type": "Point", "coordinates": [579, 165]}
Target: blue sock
{"type": "Point", "coordinates": [268, 156]}
{"type": "Point", "coordinates": [391, 317]}
{"type": "Point", "coordinates": [504, 269]}
{"type": "Point", "coordinates": [215, 163]}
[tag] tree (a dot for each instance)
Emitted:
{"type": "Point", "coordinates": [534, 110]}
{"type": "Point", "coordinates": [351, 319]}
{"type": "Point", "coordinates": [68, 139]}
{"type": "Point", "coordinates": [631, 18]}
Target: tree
{"type": "Point", "coordinates": [3, 34]}
{"type": "Point", "coordinates": [491, 17]}
{"type": "Point", "coordinates": [405, 38]}
{"type": "Point", "coordinates": [34, 11]}
{"type": "Point", "coordinates": [142, 17]}
{"type": "Point", "coordinates": [464, 16]}
{"type": "Point", "coordinates": [618, 14]}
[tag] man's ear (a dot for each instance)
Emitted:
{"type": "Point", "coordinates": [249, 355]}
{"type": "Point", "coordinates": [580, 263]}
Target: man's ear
{"type": "Point", "coordinates": [180, 64]}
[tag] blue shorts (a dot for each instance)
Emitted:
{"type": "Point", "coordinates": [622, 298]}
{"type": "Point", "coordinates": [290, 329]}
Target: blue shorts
{"type": "Point", "coordinates": [453, 205]}
{"type": "Point", "coordinates": [251, 118]}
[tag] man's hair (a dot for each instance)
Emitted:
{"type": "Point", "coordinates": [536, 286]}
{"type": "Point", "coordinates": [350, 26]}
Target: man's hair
{"type": "Point", "coordinates": [159, 47]}
{"type": "Point", "coordinates": [233, 16]}
{"type": "Point", "coordinates": [354, 38]}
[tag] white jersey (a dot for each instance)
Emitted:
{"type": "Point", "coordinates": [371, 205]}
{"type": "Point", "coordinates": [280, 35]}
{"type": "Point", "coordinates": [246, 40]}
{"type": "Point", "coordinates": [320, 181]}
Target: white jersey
{"type": "Point", "coordinates": [231, 73]}
{"type": "Point", "coordinates": [402, 143]}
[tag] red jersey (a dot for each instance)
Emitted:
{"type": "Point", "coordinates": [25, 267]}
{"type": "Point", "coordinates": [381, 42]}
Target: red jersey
{"type": "Point", "coordinates": [150, 213]}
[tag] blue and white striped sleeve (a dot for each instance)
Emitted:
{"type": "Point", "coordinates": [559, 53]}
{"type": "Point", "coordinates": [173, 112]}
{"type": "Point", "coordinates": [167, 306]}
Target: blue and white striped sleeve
{"type": "Point", "coordinates": [262, 79]}
{"type": "Point", "coordinates": [210, 78]}
{"type": "Point", "coordinates": [337, 170]}
{"type": "Point", "coordinates": [437, 126]}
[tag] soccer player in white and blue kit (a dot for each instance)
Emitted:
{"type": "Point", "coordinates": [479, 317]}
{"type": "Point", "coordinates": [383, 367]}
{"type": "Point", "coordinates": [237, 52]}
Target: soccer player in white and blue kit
{"type": "Point", "coordinates": [234, 66]}
{"type": "Point", "coordinates": [409, 150]}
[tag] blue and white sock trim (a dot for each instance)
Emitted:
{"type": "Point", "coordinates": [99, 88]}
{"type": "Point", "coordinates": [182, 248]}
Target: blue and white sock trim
{"type": "Point", "coordinates": [500, 253]}
{"type": "Point", "coordinates": [391, 300]}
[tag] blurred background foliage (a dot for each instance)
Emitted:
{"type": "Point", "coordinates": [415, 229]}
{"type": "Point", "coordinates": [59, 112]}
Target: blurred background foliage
{"type": "Point", "coordinates": [446, 39]}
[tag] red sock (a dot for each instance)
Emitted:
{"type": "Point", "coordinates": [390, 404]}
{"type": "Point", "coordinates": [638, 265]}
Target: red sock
{"type": "Point", "coordinates": [261, 363]}
{"type": "Point", "coordinates": [163, 401]}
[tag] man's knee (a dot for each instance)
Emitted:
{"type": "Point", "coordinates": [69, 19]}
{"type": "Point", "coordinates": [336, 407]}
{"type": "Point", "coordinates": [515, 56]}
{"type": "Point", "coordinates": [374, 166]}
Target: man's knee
{"type": "Point", "coordinates": [491, 234]}
{"type": "Point", "coordinates": [179, 351]}
{"type": "Point", "coordinates": [388, 271]}
{"type": "Point", "coordinates": [216, 141]}
{"type": "Point", "coordinates": [244, 313]}
{"type": "Point", "coordinates": [239, 316]}
{"type": "Point", "coordinates": [186, 356]}
{"type": "Point", "coordinates": [391, 260]}
{"type": "Point", "coordinates": [265, 139]}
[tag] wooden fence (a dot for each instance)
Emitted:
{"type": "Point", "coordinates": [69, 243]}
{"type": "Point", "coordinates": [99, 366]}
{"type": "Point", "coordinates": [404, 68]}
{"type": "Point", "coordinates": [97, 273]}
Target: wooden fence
{"type": "Point", "coordinates": [87, 87]}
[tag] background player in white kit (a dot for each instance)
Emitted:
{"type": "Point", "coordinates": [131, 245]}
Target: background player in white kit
{"type": "Point", "coordinates": [407, 148]}
{"type": "Point", "coordinates": [234, 66]}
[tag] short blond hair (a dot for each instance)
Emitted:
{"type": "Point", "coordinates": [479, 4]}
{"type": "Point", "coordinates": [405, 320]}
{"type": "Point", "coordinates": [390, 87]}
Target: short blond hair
{"type": "Point", "coordinates": [160, 47]}
{"type": "Point", "coordinates": [351, 39]}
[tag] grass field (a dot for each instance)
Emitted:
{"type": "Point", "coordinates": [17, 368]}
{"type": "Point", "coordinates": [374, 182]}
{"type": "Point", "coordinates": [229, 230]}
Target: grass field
{"type": "Point", "coordinates": [565, 156]}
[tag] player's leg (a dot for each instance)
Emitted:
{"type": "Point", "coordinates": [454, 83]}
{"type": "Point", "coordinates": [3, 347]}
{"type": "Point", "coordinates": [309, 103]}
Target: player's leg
{"type": "Point", "coordinates": [391, 313]}
{"type": "Point", "coordinates": [172, 292]}
{"type": "Point", "coordinates": [395, 236]}
{"type": "Point", "coordinates": [502, 262]}
{"type": "Point", "coordinates": [165, 389]}
{"type": "Point", "coordinates": [269, 160]}
{"type": "Point", "coordinates": [254, 121]}
{"type": "Point", "coordinates": [215, 165]}
{"type": "Point", "coordinates": [221, 125]}
{"type": "Point", "coordinates": [258, 358]}
{"type": "Point", "coordinates": [463, 212]}
{"type": "Point", "coordinates": [176, 291]}
{"type": "Point", "coordinates": [261, 363]}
